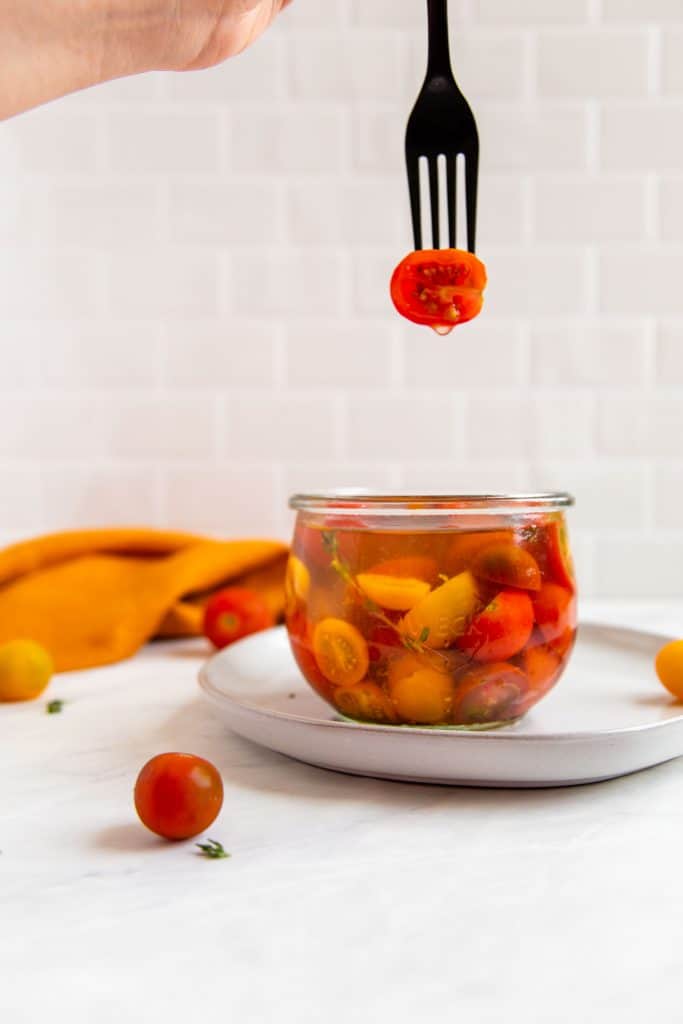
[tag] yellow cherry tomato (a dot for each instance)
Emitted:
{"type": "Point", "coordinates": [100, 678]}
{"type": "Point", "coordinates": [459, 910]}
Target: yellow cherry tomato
{"type": "Point", "coordinates": [669, 666]}
{"type": "Point", "coordinates": [25, 670]}
{"type": "Point", "coordinates": [444, 614]}
{"type": "Point", "coordinates": [423, 697]}
{"type": "Point", "coordinates": [396, 593]}
{"type": "Point", "coordinates": [297, 583]}
{"type": "Point", "coordinates": [365, 701]}
{"type": "Point", "coordinates": [340, 651]}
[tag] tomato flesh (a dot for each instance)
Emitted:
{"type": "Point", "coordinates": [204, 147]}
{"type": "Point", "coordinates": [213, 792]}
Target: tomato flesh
{"type": "Point", "coordinates": [234, 613]}
{"type": "Point", "coordinates": [501, 630]}
{"type": "Point", "coordinates": [439, 287]}
{"type": "Point", "coordinates": [177, 796]}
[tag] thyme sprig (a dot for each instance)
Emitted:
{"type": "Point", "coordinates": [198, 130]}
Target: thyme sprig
{"type": "Point", "coordinates": [212, 849]}
{"type": "Point", "coordinates": [416, 645]}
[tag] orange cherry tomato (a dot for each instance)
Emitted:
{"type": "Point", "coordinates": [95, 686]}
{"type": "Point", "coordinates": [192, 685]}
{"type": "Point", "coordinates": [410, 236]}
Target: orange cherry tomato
{"type": "Point", "coordinates": [395, 593]}
{"type": "Point", "coordinates": [507, 564]}
{"type": "Point", "coordinates": [501, 630]}
{"type": "Point", "coordinates": [178, 795]}
{"type": "Point", "coordinates": [669, 667]}
{"type": "Point", "coordinates": [419, 567]}
{"type": "Point", "coordinates": [340, 651]}
{"type": "Point", "coordinates": [555, 611]}
{"type": "Point", "coordinates": [444, 613]}
{"type": "Point", "coordinates": [439, 287]}
{"type": "Point", "coordinates": [305, 659]}
{"type": "Point", "coordinates": [466, 546]}
{"type": "Point", "coordinates": [364, 701]}
{"type": "Point", "coordinates": [542, 666]}
{"type": "Point", "coordinates": [234, 613]}
{"type": "Point", "coordinates": [487, 693]}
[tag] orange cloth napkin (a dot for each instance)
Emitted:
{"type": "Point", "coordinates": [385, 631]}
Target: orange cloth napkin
{"type": "Point", "coordinates": [92, 597]}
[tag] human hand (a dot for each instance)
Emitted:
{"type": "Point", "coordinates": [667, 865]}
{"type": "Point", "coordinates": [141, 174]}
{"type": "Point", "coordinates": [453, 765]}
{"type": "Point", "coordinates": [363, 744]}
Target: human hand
{"type": "Point", "coordinates": [49, 49]}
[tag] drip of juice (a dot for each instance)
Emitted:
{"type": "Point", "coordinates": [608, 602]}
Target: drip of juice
{"type": "Point", "coordinates": [443, 328]}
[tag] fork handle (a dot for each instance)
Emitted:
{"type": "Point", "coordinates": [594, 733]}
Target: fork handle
{"type": "Point", "coordinates": [439, 61]}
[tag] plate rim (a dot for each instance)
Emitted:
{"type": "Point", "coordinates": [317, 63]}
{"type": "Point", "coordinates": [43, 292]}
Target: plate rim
{"type": "Point", "coordinates": [507, 733]}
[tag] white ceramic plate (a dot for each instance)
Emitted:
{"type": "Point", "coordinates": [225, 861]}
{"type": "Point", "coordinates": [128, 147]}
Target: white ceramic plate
{"type": "Point", "coordinates": [607, 716]}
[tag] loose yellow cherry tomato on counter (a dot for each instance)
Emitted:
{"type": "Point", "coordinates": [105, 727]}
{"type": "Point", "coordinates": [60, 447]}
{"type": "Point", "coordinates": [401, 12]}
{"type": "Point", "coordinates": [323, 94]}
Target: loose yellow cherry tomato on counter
{"type": "Point", "coordinates": [396, 593]}
{"type": "Point", "coordinates": [25, 670]}
{"type": "Point", "coordinates": [340, 651]}
{"type": "Point", "coordinates": [365, 701]}
{"type": "Point", "coordinates": [669, 666]}
{"type": "Point", "coordinates": [444, 614]}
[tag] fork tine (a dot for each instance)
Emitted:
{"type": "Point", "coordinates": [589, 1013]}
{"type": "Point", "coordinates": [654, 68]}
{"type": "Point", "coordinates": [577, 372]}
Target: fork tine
{"type": "Point", "coordinates": [451, 198]}
{"type": "Point", "coordinates": [434, 198]}
{"type": "Point", "coordinates": [413, 165]}
{"type": "Point", "coordinates": [471, 177]}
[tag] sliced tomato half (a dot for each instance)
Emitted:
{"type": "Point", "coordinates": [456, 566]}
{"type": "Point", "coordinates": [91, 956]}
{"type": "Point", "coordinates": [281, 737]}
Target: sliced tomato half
{"type": "Point", "coordinates": [439, 287]}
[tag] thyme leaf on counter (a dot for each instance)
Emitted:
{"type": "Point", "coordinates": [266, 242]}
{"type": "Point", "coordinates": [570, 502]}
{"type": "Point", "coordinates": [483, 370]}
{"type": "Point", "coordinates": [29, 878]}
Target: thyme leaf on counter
{"type": "Point", "coordinates": [54, 707]}
{"type": "Point", "coordinates": [212, 849]}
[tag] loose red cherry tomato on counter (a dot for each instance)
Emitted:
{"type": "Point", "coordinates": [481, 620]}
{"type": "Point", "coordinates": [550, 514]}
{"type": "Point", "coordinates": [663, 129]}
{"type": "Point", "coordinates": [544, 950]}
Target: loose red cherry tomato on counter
{"type": "Point", "coordinates": [488, 693]}
{"type": "Point", "coordinates": [234, 613]}
{"type": "Point", "coordinates": [178, 795]}
{"type": "Point", "coordinates": [501, 629]}
{"type": "Point", "coordinates": [439, 287]}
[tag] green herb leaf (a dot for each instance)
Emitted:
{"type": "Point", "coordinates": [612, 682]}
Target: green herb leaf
{"type": "Point", "coordinates": [53, 707]}
{"type": "Point", "coordinates": [424, 635]}
{"type": "Point", "coordinates": [213, 850]}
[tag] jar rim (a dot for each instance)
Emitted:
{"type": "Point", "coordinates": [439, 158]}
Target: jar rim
{"type": "Point", "coordinates": [353, 502]}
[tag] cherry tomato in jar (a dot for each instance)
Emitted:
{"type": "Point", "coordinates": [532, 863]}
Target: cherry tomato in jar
{"type": "Point", "coordinates": [501, 630]}
{"type": "Point", "coordinates": [340, 651]}
{"type": "Point", "coordinates": [555, 612]}
{"type": "Point", "coordinates": [366, 702]}
{"type": "Point", "coordinates": [465, 547]}
{"type": "Point", "coordinates": [422, 695]}
{"type": "Point", "coordinates": [177, 796]}
{"type": "Point", "coordinates": [487, 693]}
{"type": "Point", "coordinates": [508, 565]}
{"type": "Point", "coordinates": [559, 556]}
{"type": "Point", "coordinates": [235, 613]}
{"type": "Point", "coordinates": [542, 666]}
{"type": "Point", "coordinates": [439, 287]}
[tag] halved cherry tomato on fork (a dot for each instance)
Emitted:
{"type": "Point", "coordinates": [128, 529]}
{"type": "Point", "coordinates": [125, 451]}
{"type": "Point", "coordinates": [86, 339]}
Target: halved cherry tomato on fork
{"type": "Point", "coordinates": [439, 287]}
{"type": "Point", "coordinates": [501, 629]}
{"type": "Point", "coordinates": [233, 613]}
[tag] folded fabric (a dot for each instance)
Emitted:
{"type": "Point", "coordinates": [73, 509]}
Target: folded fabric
{"type": "Point", "coordinates": [92, 597]}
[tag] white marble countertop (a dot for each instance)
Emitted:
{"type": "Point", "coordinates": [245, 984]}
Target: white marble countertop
{"type": "Point", "coordinates": [345, 899]}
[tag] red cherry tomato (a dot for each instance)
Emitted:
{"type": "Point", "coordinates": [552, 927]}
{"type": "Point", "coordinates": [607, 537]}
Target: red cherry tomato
{"type": "Point", "coordinates": [501, 629]}
{"type": "Point", "coordinates": [178, 795]}
{"type": "Point", "coordinates": [542, 667]}
{"type": "Point", "coordinates": [308, 666]}
{"type": "Point", "coordinates": [439, 287]}
{"type": "Point", "coordinates": [509, 565]}
{"type": "Point", "coordinates": [488, 693]}
{"type": "Point", "coordinates": [559, 556]}
{"type": "Point", "coordinates": [555, 611]}
{"type": "Point", "coordinates": [233, 613]}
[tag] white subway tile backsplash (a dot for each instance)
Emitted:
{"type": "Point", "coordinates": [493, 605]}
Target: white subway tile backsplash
{"type": "Point", "coordinates": [488, 354]}
{"type": "Point", "coordinates": [605, 209]}
{"type": "Point", "coordinates": [588, 355]}
{"type": "Point", "coordinates": [593, 62]}
{"type": "Point", "coordinates": [669, 355]}
{"type": "Point", "coordinates": [641, 279]}
{"type": "Point", "coordinates": [331, 355]}
{"type": "Point", "coordinates": [219, 354]}
{"type": "Point", "coordinates": [195, 272]}
{"type": "Point", "coordinates": [642, 136]}
{"type": "Point", "coordinates": [551, 137]}
{"type": "Point", "coordinates": [148, 141]}
{"type": "Point", "coordinates": [413, 428]}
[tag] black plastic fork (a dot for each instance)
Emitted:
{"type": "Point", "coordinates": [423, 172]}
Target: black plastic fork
{"type": "Point", "coordinates": [442, 123]}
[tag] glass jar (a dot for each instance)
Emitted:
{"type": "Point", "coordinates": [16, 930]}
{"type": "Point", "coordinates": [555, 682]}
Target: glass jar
{"type": "Point", "coordinates": [428, 610]}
